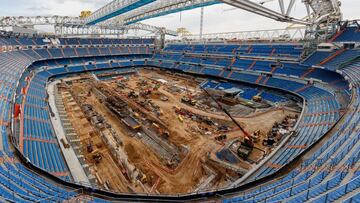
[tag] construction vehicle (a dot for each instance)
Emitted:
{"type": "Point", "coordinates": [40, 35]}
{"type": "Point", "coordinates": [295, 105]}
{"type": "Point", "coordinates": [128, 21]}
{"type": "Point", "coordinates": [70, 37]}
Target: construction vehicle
{"type": "Point", "coordinates": [256, 135]}
{"type": "Point", "coordinates": [181, 119]}
{"type": "Point", "coordinates": [97, 157]}
{"type": "Point", "coordinates": [145, 93]}
{"type": "Point", "coordinates": [164, 98]}
{"type": "Point", "coordinates": [142, 83]}
{"type": "Point", "coordinates": [133, 95]}
{"type": "Point", "coordinates": [141, 177]}
{"type": "Point", "coordinates": [269, 141]}
{"type": "Point", "coordinates": [89, 148]}
{"type": "Point", "coordinates": [156, 87]}
{"type": "Point", "coordinates": [257, 98]}
{"type": "Point", "coordinates": [221, 137]}
{"type": "Point", "coordinates": [121, 85]}
{"type": "Point", "coordinates": [247, 144]}
{"type": "Point", "coordinates": [244, 150]}
{"type": "Point", "coordinates": [165, 135]}
{"type": "Point", "coordinates": [65, 144]}
{"type": "Point", "coordinates": [188, 100]}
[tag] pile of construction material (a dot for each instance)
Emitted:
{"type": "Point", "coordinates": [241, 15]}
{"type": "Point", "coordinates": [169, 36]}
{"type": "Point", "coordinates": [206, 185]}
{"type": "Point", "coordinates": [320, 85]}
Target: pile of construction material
{"type": "Point", "coordinates": [280, 130]}
{"type": "Point", "coordinates": [113, 142]}
{"type": "Point", "coordinates": [186, 114]}
{"type": "Point", "coordinates": [134, 111]}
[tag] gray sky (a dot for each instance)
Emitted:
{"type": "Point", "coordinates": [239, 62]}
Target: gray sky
{"type": "Point", "coordinates": [218, 18]}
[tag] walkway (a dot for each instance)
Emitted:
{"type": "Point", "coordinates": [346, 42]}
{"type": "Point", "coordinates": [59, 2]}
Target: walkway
{"type": "Point", "coordinates": [72, 161]}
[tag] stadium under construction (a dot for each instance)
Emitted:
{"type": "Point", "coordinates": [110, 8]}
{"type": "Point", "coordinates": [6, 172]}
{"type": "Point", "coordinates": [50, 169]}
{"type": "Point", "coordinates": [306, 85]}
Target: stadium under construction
{"type": "Point", "coordinates": [90, 113]}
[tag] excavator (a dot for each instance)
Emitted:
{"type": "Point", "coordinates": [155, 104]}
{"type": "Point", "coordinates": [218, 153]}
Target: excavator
{"type": "Point", "coordinates": [247, 144]}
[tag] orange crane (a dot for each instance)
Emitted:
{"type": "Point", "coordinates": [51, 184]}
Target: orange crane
{"type": "Point", "coordinates": [248, 139]}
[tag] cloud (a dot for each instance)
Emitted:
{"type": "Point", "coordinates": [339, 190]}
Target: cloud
{"type": "Point", "coordinates": [38, 8]}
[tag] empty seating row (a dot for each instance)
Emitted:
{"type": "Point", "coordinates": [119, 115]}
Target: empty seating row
{"type": "Point", "coordinates": [273, 67]}
{"type": "Point", "coordinates": [285, 50]}
{"type": "Point", "coordinates": [38, 41]}
{"type": "Point", "coordinates": [350, 34]}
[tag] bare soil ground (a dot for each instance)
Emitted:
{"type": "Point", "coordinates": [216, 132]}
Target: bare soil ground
{"type": "Point", "coordinates": [86, 133]}
{"type": "Point", "coordinates": [198, 138]}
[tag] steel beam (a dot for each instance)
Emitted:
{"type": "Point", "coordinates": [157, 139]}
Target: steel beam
{"type": "Point", "coordinates": [65, 24]}
{"type": "Point", "coordinates": [266, 12]}
{"type": "Point", "coordinates": [87, 30]}
{"type": "Point", "coordinates": [160, 8]}
{"type": "Point", "coordinates": [151, 28]}
{"type": "Point", "coordinates": [115, 8]}
{"type": "Point", "coordinates": [67, 29]}
{"type": "Point", "coordinates": [290, 34]}
{"type": "Point", "coordinates": [38, 20]}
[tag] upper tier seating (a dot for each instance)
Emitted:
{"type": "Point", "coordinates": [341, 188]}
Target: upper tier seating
{"type": "Point", "coordinates": [350, 34]}
{"type": "Point", "coordinates": [283, 50]}
{"type": "Point", "coordinates": [29, 41]}
{"type": "Point", "coordinates": [285, 68]}
{"type": "Point", "coordinates": [317, 57]}
{"type": "Point", "coordinates": [344, 57]}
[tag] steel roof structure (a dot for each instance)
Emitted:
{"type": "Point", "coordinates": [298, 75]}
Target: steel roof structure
{"type": "Point", "coordinates": [118, 16]}
{"type": "Point", "coordinates": [114, 9]}
{"type": "Point", "coordinates": [65, 25]}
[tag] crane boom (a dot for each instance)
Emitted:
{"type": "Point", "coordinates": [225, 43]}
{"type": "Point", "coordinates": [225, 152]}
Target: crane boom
{"type": "Point", "coordinates": [229, 115]}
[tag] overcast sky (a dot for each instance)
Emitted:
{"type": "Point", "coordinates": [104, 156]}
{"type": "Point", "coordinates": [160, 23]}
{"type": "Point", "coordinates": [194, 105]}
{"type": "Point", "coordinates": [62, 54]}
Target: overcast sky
{"type": "Point", "coordinates": [218, 18]}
